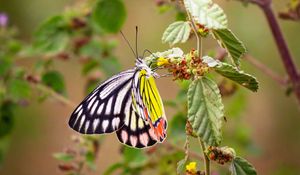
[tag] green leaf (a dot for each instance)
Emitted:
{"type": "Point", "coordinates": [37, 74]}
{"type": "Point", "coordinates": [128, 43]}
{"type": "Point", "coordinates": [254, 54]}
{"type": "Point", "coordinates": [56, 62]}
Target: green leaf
{"type": "Point", "coordinates": [176, 129]}
{"type": "Point", "coordinates": [6, 118]}
{"type": "Point", "coordinates": [134, 157]}
{"type": "Point", "coordinates": [109, 15]}
{"type": "Point", "coordinates": [238, 76]}
{"type": "Point", "coordinates": [181, 16]}
{"type": "Point", "coordinates": [177, 32]}
{"type": "Point", "coordinates": [90, 160]}
{"type": "Point", "coordinates": [168, 162]}
{"type": "Point", "coordinates": [19, 89]}
{"type": "Point", "coordinates": [54, 80]}
{"type": "Point", "coordinates": [206, 13]}
{"type": "Point", "coordinates": [231, 43]}
{"type": "Point", "coordinates": [113, 168]}
{"type": "Point", "coordinates": [91, 85]}
{"type": "Point", "coordinates": [240, 166]}
{"type": "Point", "coordinates": [63, 157]}
{"type": "Point", "coordinates": [5, 65]}
{"type": "Point", "coordinates": [110, 65]}
{"type": "Point", "coordinates": [170, 103]}
{"type": "Point", "coordinates": [164, 8]}
{"type": "Point", "coordinates": [90, 66]}
{"type": "Point", "coordinates": [206, 110]}
{"type": "Point", "coordinates": [91, 49]}
{"type": "Point", "coordinates": [52, 36]}
{"type": "Point", "coordinates": [180, 166]}
{"type": "Point", "coordinates": [236, 104]}
{"type": "Point", "coordinates": [14, 46]}
{"type": "Point", "coordinates": [4, 147]}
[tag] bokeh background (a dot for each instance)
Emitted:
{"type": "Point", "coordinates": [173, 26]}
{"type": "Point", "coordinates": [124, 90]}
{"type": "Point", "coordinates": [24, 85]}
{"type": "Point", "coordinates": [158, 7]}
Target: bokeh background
{"type": "Point", "coordinates": [270, 119]}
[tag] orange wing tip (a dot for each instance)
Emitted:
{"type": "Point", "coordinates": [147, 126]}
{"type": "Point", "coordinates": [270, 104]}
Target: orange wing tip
{"type": "Point", "coordinates": [160, 131]}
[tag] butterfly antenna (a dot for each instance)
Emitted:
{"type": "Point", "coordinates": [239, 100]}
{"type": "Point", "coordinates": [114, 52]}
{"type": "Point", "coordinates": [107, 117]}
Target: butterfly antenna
{"type": "Point", "coordinates": [128, 44]}
{"type": "Point", "coordinates": [136, 40]}
{"type": "Point", "coordinates": [152, 54]}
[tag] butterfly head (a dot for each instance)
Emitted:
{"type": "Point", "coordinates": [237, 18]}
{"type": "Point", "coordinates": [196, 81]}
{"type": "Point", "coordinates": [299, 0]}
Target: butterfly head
{"type": "Point", "coordinates": [141, 65]}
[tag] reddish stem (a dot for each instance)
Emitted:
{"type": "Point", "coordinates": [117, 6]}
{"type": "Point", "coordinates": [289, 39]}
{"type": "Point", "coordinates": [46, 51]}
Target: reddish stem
{"type": "Point", "coordinates": [286, 57]}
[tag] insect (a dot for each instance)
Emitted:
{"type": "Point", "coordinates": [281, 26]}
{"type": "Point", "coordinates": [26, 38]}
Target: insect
{"type": "Point", "coordinates": [127, 103]}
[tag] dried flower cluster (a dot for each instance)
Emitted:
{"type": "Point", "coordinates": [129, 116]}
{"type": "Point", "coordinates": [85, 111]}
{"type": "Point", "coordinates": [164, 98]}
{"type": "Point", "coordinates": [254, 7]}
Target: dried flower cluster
{"type": "Point", "coordinates": [188, 67]}
{"type": "Point", "coordinates": [220, 155]}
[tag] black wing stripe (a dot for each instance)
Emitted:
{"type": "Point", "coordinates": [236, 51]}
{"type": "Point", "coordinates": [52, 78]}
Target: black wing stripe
{"type": "Point", "coordinates": [96, 115]}
{"type": "Point", "coordinates": [136, 132]}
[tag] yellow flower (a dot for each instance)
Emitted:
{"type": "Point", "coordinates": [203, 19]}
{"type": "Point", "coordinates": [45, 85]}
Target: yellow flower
{"type": "Point", "coordinates": [191, 167]}
{"type": "Point", "coordinates": [162, 61]}
{"type": "Point", "coordinates": [203, 32]}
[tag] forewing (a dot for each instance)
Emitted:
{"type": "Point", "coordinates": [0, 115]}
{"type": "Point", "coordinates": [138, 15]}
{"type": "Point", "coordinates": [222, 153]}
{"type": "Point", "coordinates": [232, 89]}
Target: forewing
{"type": "Point", "coordinates": [103, 110]}
{"type": "Point", "coordinates": [135, 132]}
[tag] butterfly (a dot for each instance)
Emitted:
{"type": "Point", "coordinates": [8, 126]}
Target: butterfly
{"type": "Point", "coordinates": [128, 104]}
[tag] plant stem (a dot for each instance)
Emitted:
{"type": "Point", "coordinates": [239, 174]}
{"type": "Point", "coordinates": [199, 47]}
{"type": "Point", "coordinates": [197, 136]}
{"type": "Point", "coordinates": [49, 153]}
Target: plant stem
{"type": "Point", "coordinates": [266, 70]}
{"type": "Point", "coordinates": [179, 148]}
{"type": "Point", "coordinates": [201, 48]}
{"type": "Point", "coordinates": [206, 159]}
{"type": "Point", "coordinates": [55, 95]}
{"type": "Point", "coordinates": [195, 32]}
{"type": "Point", "coordinates": [186, 148]}
{"type": "Point", "coordinates": [286, 57]}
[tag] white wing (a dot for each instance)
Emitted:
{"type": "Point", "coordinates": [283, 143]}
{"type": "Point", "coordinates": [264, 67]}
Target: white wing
{"type": "Point", "coordinates": [103, 110]}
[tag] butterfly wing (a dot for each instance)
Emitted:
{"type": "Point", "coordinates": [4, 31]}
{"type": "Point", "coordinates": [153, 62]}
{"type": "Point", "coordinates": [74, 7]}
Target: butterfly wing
{"type": "Point", "coordinates": [148, 103]}
{"type": "Point", "coordinates": [103, 110]}
{"type": "Point", "coordinates": [120, 105]}
{"type": "Point", "coordinates": [135, 132]}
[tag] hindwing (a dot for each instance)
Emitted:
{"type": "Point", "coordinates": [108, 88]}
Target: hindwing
{"type": "Point", "coordinates": [136, 132]}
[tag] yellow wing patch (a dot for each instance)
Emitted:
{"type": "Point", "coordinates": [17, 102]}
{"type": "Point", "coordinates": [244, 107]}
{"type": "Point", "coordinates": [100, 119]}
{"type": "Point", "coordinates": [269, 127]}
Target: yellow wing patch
{"type": "Point", "coordinates": [153, 110]}
{"type": "Point", "coordinates": [151, 97]}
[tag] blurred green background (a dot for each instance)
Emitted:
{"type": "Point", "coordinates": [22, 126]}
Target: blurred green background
{"type": "Point", "coordinates": [270, 118]}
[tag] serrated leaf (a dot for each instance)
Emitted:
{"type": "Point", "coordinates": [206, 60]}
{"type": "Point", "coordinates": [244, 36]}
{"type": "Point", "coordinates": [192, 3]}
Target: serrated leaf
{"type": "Point", "coordinates": [54, 80]}
{"type": "Point", "coordinates": [210, 61]}
{"type": "Point", "coordinates": [207, 13]}
{"type": "Point", "coordinates": [177, 32]}
{"type": "Point", "coordinates": [241, 166]}
{"type": "Point", "coordinates": [238, 76]}
{"type": "Point", "coordinates": [206, 110]}
{"type": "Point", "coordinates": [231, 43]}
{"type": "Point", "coordinates": [52, 36]}
{"type": "Point", "coordinates": [63, 157]}
{"type": "Point", "coordinates": [109, 15]}
{"type": "Point", "coordinates": [19, 89]}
